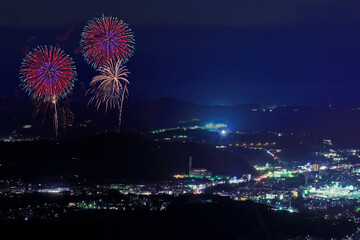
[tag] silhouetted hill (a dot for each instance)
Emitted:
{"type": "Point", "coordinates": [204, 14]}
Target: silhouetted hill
{"type": "Point", "coordinates": [167, 112]}
{"type": "Point", "coordinates": [188, 217]}
{"type": "Point", "coordinates": [112, 157]}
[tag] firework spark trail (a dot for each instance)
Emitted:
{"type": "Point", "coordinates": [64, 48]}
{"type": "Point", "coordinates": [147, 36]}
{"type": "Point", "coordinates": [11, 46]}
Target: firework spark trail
{"type": "Point", "coordinates": [110, 87]}
{"type": "Point", "coordinates": [55, 118]}
{"type": "Point", "coordinates": [45, 110]}
{"type": "Point", "coordinates": [121, 105]}
{"type": "Point", "coordinates": [106, 38]}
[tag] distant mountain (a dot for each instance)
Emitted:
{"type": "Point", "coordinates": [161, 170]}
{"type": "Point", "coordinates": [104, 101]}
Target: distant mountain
{"type": "Point", "coordinates": [112, 157]}
{"type": "Point", "coordinates": [168, 112]}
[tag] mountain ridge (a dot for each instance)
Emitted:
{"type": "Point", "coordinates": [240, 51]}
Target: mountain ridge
{"type": "Point", "coordinates": [170, 112]}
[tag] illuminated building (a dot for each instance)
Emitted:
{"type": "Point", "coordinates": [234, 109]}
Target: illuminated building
{"type": "Point", "coordinates": [267, 165]}
{"type": "Point", "coordinates": [54, 190]}
{"type": "Point", "coordinates": [315, 167]}
{"type": "Point", "coordinates": [327, 142]}
{"type": "Point", "coordinates": [198, 172]}
{"type": "Point", "coordinates": [295, 194]}
{"type": "Point", "coordinates": [221, 146]}
{"type": "Point", "coordinates": [247, 177]}
{"type": "Point", "coordinates": [270, 196]}
{"type": "Point", "coordinates": [334, 191]}
{"type": "Point", "coordinates": [234, 180]}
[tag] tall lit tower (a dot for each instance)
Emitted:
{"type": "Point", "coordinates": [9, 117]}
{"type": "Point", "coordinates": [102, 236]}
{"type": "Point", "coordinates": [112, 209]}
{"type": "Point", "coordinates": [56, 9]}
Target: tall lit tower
{"type": "Point", "coordinates": [190, 164]}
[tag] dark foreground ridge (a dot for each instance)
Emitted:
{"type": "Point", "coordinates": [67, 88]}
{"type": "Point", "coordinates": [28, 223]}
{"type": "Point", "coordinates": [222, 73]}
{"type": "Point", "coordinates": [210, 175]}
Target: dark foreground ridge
{"type": "Point", "coordinates": [112, 157]}
{"type": "Point", "coordinates": [188, 217]}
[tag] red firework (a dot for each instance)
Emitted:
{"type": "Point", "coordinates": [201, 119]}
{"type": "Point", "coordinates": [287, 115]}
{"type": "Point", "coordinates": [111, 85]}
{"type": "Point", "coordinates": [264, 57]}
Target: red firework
{"type": "Point", "coordinates": [107, 39]}
{"type": "Point", "coordinates": [47, 73]}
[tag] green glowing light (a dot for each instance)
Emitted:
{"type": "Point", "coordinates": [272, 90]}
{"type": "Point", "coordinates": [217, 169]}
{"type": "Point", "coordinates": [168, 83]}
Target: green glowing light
{"type": "Point", "coordinates": [180, 136]}
{"type": "Point", "coordinates": [212, 126]}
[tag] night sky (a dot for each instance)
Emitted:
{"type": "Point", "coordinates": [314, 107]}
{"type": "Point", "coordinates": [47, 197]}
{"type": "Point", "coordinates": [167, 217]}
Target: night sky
{"type": "Point", "coordinates": [208, 52]}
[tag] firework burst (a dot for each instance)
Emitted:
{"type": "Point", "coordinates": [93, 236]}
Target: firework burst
{"type": "Point", "coordinates": [107, 38]}
{"type": "Point", "coordinates": [110, 87]}
{"type": "Point", "coordinates": [47, 73]}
